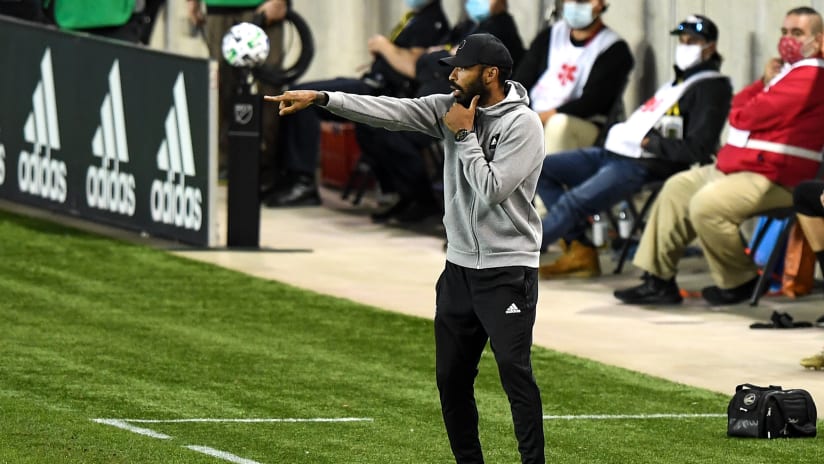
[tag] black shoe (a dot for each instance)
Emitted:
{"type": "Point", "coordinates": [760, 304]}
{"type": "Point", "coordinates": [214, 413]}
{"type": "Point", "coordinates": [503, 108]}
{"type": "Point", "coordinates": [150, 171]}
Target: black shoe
{"type": "Point", "coordinates": [300, 194]}
{"type": "Point", "coordinates": [654, 290]}
{"type": "Point", "coordinates": [717, 296]}
{"type": "Point", "coordinates": [396, 209]}
{"type": "Point", "coordinates": [417, 211]}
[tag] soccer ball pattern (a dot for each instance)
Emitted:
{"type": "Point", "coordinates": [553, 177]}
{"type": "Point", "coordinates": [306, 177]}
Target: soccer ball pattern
{"type": "Point", "coordinates": [245, 45]}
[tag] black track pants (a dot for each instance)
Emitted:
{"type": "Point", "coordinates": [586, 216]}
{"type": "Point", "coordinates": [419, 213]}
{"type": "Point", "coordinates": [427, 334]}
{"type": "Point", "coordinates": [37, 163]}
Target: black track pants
{"type": "Point", "coordinates": [473, 305]}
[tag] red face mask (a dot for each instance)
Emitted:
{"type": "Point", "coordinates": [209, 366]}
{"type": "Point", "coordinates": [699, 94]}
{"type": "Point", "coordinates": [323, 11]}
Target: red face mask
{"type": "Point", "coordinates": [790, 50]}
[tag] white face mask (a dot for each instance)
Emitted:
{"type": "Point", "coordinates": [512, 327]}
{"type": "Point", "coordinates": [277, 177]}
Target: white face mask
{"type": "Point", "coordinates": [687, 56]}
{"type": "Point", "coordinates": [578, 15]}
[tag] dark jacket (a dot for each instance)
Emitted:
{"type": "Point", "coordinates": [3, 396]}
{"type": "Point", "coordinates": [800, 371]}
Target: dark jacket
{"type": "Point", "coordinates": [427, 28]}
{"type": "Point", "coordinates": [704, 108]}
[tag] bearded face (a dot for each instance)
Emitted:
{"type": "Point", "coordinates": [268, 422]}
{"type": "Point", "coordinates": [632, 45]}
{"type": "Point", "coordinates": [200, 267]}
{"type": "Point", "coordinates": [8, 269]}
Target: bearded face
{"type": "Point", "coordinates": [468, 90]}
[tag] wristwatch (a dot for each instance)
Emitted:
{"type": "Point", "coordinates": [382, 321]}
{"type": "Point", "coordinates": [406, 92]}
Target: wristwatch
{"type": "Point", "coordinates": [461, 134]}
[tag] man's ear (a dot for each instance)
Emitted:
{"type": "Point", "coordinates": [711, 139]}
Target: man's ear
{"type": "Point", "coordinates": [709, 51]}
{"type": "Point", "coordinates": [491, 74]}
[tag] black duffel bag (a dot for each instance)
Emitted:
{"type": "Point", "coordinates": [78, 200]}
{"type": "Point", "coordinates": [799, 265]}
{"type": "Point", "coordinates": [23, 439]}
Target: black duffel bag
{"type": "Point", "coordinates": [771, 412]}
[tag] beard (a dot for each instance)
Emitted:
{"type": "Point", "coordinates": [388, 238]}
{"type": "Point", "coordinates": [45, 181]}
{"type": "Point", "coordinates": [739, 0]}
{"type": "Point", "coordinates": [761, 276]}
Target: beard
{"type": "Point", "coordinates": [475, 87]}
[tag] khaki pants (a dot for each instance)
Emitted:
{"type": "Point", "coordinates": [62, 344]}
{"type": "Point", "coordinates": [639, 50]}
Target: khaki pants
{"type": "Point", "coordinates": [706, 204]}
{"type": "Point", "coordinates": [216, 27]}
{"type": "Point", "coordinates": [564, 132]}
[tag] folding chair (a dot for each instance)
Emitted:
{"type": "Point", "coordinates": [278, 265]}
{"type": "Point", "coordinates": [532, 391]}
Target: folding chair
{"type": "Point", "coordinates": [638, 219]}
{"type": "Point", "coordinates": [361, 177]}
{"type": "Point", "coordinates": [780, 244]}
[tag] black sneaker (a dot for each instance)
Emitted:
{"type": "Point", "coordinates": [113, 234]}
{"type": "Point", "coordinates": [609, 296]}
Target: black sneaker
{"type": "Point", "coordinates": [396, 209]}
{"type": "Point", "coordinates": [302, 193]}
{"type": "Point", "coordinates": [654, 291]}
{"type": "Point", "coordinates": [717, 296]}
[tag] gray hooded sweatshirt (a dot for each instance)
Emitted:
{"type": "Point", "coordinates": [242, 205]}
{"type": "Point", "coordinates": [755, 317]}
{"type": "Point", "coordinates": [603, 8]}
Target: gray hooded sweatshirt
{"type": "Point", "coordinates": [489, 177]}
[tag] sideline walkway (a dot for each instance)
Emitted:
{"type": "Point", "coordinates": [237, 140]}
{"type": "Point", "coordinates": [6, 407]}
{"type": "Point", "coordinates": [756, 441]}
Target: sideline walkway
{"type": "Point", "coordinates": [396, 269]}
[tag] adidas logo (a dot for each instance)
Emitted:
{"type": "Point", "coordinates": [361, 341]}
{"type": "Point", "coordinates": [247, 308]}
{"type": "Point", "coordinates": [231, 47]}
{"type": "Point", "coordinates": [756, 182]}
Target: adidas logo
{"type": "Point", "coordinates": [512, 309]}
{"type": "Point", "coordinates": [106, 187]}
{"type": "Point", "coordinates": [37, 173]}
{"type": "Point", "coordinates": [172, 201]}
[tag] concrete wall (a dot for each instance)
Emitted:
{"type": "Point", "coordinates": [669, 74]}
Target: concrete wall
{"type": "Point", "coordinates": [749, 31]}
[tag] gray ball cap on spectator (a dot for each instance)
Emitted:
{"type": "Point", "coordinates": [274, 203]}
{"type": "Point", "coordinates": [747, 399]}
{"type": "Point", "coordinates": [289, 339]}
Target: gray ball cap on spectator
{"type": "Point", "coordinates": [483, 49]}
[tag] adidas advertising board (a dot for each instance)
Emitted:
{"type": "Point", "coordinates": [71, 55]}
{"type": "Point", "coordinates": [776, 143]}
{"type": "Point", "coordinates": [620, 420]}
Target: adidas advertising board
{"type": "Point", "coordinates": [107, 187]}
{"type": "Point", "coordinates": [174, 202]}
{"type": "Point", "coordinates": [38, 174]}
{"type": "Point", "coordinates": [2, 163]}
{"type": "Point", "coordinates": [107, 131]}
{"type": "Point", "coordinates": [2, 159]}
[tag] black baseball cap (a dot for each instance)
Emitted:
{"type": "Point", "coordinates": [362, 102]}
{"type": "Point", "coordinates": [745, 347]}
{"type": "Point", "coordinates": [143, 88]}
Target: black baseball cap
{"type": "Point", "coordinates": [697, 25]}
{"type": "Point", "coordinates": [480, 49]}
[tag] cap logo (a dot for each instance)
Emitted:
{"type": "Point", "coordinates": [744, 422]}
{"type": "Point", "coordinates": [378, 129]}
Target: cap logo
{"type": "Point", "coordinates": [461, 45]}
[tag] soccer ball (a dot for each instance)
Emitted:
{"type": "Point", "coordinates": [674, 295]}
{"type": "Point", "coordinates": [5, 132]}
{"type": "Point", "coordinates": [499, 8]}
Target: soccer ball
{"type": "Point", "coordinates": [245, 45]}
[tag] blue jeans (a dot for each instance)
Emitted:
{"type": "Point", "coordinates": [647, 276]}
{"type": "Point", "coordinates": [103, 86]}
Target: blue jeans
{"type": "Point", "coordinates": [579, 183]}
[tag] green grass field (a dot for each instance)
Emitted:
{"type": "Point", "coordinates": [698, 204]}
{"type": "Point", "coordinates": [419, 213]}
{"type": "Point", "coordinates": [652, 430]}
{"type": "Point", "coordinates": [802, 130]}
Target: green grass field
{"type": "Point", "coordinates": [92, 328]}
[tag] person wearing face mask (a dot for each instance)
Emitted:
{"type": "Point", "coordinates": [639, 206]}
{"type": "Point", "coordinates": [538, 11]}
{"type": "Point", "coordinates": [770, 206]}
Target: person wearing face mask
{"type": "Point", "coordinates": [774, 142]}
{"type": "Point", "coordinates": [395, 157]}
{"type": "Point", "coordinates": [677, 127]}
{"type": "Point", "coordinates": [575, 70]}
{"type": "Point", "coordinates": [423, 26]}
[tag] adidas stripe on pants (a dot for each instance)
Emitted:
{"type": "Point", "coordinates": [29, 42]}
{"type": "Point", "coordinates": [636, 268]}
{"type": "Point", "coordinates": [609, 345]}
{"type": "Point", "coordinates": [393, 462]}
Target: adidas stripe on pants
{"type": "Point", "coordinates": [473, 306]}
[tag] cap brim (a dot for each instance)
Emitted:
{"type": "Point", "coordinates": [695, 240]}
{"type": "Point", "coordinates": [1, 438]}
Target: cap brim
{"type": "Point", "coordinates": [455, 62]}
{"type": "Point", "coordinates": [690, 32]}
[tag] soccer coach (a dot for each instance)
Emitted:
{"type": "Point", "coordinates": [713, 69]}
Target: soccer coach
{"type": "Point", "coordinates": [493, 153]}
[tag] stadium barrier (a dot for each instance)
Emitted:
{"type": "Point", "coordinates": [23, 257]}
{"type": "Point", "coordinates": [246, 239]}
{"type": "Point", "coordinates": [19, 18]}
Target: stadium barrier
{"type": "Point", "coordinates": [107, 131]}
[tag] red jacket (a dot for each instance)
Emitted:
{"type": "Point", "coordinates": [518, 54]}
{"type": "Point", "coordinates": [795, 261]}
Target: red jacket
{"type": "Point", "coordinates": [785, 124]}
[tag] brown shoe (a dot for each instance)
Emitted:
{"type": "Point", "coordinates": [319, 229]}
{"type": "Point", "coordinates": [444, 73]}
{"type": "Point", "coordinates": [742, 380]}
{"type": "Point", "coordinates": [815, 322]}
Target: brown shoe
{"type": "Point", "coordinates": [578, 260]}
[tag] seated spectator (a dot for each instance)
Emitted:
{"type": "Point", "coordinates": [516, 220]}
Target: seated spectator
{"type": "Point", "coordinates": [674, 129]}
{"type": "Point", "coordinates": [390, 74]}
{"type": "Point", "coordinates": [395, 157]}
{"type": "Point", "coordinates": [774, 143]}
{"type": "Point", "coordinates": [808, 200]}
{"type": "Point", "coordinates": [575, 70]}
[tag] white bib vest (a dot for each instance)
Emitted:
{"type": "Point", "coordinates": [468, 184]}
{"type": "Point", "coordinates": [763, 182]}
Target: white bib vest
{"type": "Point", "coordinates": [625, 138]}
{"type": "Point", "coordinates": [568, 67]}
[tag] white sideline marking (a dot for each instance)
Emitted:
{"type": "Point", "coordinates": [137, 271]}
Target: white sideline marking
{"type": "Point", "coordinates": [122, 424]}
{"type": "Point", "coordinates": [251, 421]}
{"type": "Point", "coordinates": [633, 416]}
{"type": "Point", "coordinates": [125, 425]}
{"type": "Point", "coordinates": [221, 454]}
